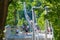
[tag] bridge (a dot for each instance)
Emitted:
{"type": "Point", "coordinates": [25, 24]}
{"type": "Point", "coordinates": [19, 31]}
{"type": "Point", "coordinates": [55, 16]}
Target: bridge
{"type": "Point", "coordinates": [42, 35]}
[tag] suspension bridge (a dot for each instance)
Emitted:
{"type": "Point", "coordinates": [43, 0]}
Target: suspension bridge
{"type": "Point", "coordinates": [34, 35]}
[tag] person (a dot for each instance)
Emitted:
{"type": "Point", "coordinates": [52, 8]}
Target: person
{"type": "Point", "coordinates": [37, 27]}
{"type": "Point", "coordinates": [48, 29]}
{"type": "Point", "coordinates": [25, 28]}
{"type": "Point", "coordinates": [51, 29]}
{"type": "Point", "coordinates": [17, 31]}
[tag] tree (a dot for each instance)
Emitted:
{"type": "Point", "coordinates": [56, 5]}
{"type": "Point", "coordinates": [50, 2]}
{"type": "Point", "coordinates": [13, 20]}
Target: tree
{"type": "Point", "coordinates": [53, 16]}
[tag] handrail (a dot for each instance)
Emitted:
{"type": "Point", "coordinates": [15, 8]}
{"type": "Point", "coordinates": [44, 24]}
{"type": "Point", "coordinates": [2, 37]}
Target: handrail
{"type": "Point", "coordinates": [26, 15]}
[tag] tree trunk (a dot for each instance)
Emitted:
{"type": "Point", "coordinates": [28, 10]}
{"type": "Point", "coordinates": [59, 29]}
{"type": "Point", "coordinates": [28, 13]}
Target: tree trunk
{"type": "Point", "coordinates": [3, 14]}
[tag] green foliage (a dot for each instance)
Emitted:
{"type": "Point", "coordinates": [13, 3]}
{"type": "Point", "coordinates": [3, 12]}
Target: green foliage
{"type": "Point", "coordinates": [53, 16]}
{"type": "Point", "coordinates": [41, 21]}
